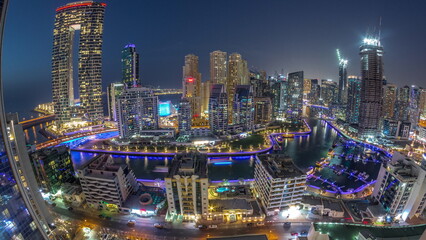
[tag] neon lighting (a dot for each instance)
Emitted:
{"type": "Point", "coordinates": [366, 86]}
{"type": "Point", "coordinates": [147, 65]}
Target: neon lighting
{"type": "Point", "coordinates": [222, 163]}
{"type": "Point", "coordinates": [78, 5]}
{"type": "Point", "coordinates": [164, 108]}
{"type": "Point", "coordinates": [190, 79]}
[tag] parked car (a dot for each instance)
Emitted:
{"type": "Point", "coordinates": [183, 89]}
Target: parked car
{"type": "Point", "coordinates": [158, 225]}
{"type": "Point", "coordinates": [294, 234]}
{"type": "Point", "coordinates": [131, 223]}
{"type": "Point", "coordinates": [287, 224]}
{"type": "Point", "coordinates": [212, 226]}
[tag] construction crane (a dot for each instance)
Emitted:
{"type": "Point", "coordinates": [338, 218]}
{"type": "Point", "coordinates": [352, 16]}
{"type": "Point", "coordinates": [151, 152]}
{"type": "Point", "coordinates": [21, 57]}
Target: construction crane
{"type": "Point", "coordinates": [342, 61]}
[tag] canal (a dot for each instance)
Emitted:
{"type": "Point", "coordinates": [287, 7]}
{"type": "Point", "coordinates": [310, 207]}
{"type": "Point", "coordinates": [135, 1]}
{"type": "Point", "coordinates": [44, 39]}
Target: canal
{"type": "Point", "coordinates": [305, 151]}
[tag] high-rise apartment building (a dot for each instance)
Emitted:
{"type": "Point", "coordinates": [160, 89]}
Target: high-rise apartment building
{"type": "Point", "coordinates": [314, 94]}
{"type": "Point", "coordinates": [85, 18]}
{"type": "Point", "coordinates": [191, 83]}
{"type": "Point", "coordinates": [279, 94]}
{"type": "Point", "coordinates": [187, 186]}
{"type": "Point", "coordinates": [371, 52]}
{"type": "Point", "coordinates": [130, 66]}
{"type": "Point", "coordinates": [342, 93]}
{"type": "Point", "coordinates": [413, 108]}
{"type": "Point", "coordinates": [106, 183]}
{"type": "Point", "coordinates": [243, 107]}
{"type": "Point", "coordinates": [184, 116]}
{"type": "Point", "coordinates": [402, 103]}
{"type": "Point", "coordinates": [389, 100]}
{"type": "Point", "coordinates": [137, 110]}
{"type": "Point", "coordinates": [354, 99]}
{"type": "Point", "coordinates": [329, 90]}
{"type": "Point", "coordinates": [218, 110]}
{"type": "Point", "coordinates": [401, 187]}
{"type": "Point", "coordinates": [218, 67]}
{"type": "Point", "coordinates": [19, 216]}
{"type": "Point", "coordinates": [262, 110]}
{"type": "Point", "coordinates": [237, 75]}
{"type": "Point", "coordinates": [278, 182]}
{"type": "Point", "coordinates": [295, 95]}
{"type": "Point", "coordinates": [205, 96]}
{"type": "Point", "coordinates": [113, 91]}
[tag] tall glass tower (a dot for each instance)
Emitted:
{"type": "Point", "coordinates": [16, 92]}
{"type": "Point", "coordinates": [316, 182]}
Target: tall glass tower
{"type": "Point", "coordinates": [85, 18]}
{"type": "Point", "coordinates": [371, 52]}
{"type": "Point", "coordinates": [130, 66]}
{"type": "Point", "coordinates": [19, 216]}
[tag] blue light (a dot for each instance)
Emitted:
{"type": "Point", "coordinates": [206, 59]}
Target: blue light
{"type": "Point", "coordinates": [223, 163]}
{"type": "Point", "coordinates": [164, 109]}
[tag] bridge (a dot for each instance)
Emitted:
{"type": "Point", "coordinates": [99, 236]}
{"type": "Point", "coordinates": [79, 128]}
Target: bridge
{"type": "Point", "coordinates": [35, 121]}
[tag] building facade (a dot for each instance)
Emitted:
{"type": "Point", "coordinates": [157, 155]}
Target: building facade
{"type": "Point", "coordinates": [342, 93]}
{"type": "Point", "coordinates": [401, 187]}
{"type": "Point", "coordinates": [295, 95]}
{"type": "Point", "coordinates": [243, 107]}
{"type": "Point", "coordinates": [130, 66]}
{"type": "Point", "coordinates": [137, 110]}
{"type": "Point", "coordinates": [187, 186]}
{"type": "Point", "coordinates": [184, 116]}
{"type": "Point", "coordinates": [389, 100]}
{"type": "Point", "coordinates": [354, 99]}
{"type": "Point", "coordinates": [105, 183]}
{"type": "Point", "coordinates": [218, 67]}
{"type": "Point", "coordinates": [371, 52]}
{"type": "Point", "coordinates": [218, 110]}
{"type": "Point", "coordinates": [87, 17]}
{"type": "Point", "coordinates": [262, 110]}
{"type": "Point", "coordinates": [191, 83]}
{"type": "Point", "coordinates": [278, 183]}
{"type": "Point", "coordinates": [113, 91]}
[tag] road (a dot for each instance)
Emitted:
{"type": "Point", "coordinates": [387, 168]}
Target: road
{"type": "Point", "coordinates": [144, 228]}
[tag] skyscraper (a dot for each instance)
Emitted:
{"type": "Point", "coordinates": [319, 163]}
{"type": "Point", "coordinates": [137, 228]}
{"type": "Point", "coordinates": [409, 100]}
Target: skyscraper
{"type": "Point", "coordinates": [371, 53]}
{"type": "Point", "coordinates": [329, 91]}
{"type": "Point", "coordinates": [184, 116]}
{"type": "Point", "coordinates": [236, 76]}
{"type": "Point", "coordinates": [243, 107]}
{"type": "Point", "coordinates": [218, 110]}
{"type": "Point", "coordinates": [342, 94]}
{"type": "Point", "coordinates": [402, 103]}
{"type": "Point", "coordinates": [389, 99]}
{"type": "Point", "coordinates": [295, 95]}
{"type": "Point", "coordinates": [130, 66]}
{"type": "Point", "coordinates": [85, 18]}
{"type": "Point", "coordinates": [137, 110]}
{"type": "Point", "coordinates": [19, 217]}
{"type": "Point", "coordinates": [315, 92]}
{"type": "Point", "coordinates": [205, 96]}
{"type": "Point", "coordinates": [191, 83]}
{"type": "Point", "coordinates": [218, 67]}
{"type": "Point", "coordinates": [354, 99]}
{"type": "Point", "coordinates": [113, 91]}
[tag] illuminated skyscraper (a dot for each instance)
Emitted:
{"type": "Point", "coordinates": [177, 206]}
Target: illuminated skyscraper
{"type": "Point", "coordinates": [113, 91]}
{"type": "Point", "coordinates": [243, 107]}
{"type": "Point", "coordinates": [137, 110]}
{"type": "Point", "coordinates": [184, 116]}
{"type": "Point", "coordinates": [237, 75]}
{"type": "Point", "coordinates": [402, 103]}
{"type": "Point", "coordinates": [87, 18]}
{"type": "Point", "coordinates": [130, 66]}
{"type": "Point", "coordinates": [218, 110]}
{"type": "Point", "coordinates": [22, 211]}
{"type": "Point", "coordinates": [218, 67]}
{"type": "Point", "coordinates": [295, 95]}
{"type": "Point", "coordinates": [371, 53]}
{"type": "Point", "coordinates": [389, 99]}
{"type": "Point", "coordinates": [354, 99]}
{"type": "Point", "coordinates": [329, 91]}
{"type": "Point", "coordinates": [191, 83]}
{"type": "Point", "coordinates": [342, 94]}
{"type": "Point", "coordinates": [205, 96]}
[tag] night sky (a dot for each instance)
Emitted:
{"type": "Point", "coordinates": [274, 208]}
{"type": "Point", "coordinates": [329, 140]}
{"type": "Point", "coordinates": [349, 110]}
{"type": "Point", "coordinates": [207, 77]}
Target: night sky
{"type": "Point", "coordinates": [271, 35]}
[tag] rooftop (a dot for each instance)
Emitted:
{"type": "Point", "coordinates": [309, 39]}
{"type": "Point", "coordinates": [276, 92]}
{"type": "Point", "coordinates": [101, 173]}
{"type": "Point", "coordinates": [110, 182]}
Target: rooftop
{"type": "Point", "coordinates": [230, 204]}
{"type": "Point", "coordinates": [280, 166]}
{"type": "Point", "coordinates": [188, 164]}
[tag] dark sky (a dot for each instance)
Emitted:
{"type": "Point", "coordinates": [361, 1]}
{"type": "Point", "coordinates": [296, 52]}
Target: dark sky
{"type": "Point", "coordinates": [271, 34]}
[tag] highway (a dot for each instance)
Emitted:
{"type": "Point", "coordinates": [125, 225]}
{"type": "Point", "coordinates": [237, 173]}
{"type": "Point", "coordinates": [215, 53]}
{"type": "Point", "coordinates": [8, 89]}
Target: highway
{"type": "Point", "coordinates": [144, 227]}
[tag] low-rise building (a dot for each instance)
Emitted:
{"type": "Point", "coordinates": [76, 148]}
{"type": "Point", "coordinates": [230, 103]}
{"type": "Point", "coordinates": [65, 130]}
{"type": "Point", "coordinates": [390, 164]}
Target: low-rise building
{"type": "Point", "coordinates": [106, 183]}
{"type": "Point", "coordinates": [401, 187]}
{"type": "Point", "coordinates": [187, 187]}
{"type": "Point", "coordinates": [278, 182]}
{"type": "Point", "coordinates": [323, 207]}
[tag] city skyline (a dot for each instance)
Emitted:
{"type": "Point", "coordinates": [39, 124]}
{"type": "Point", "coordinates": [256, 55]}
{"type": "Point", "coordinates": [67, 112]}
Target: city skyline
{"type": "Point", "coordinates": [275, 50]}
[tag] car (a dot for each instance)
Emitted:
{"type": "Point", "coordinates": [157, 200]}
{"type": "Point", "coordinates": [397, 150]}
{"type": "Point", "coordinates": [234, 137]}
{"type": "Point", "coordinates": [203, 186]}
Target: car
{"type": "Point", "coordinates": [287, 224]}
{"type": "Point", "coordinates": [70, 209]}
{"type": "Point", "coordinates": [202, 227]}
{"type": "Point", "coordinates": [131, 223]}
{"type": "Point", "coordinates": [158, 225]}
{"type": "Point", "coordinates": [304, 233]}
{"type": "Point", "coordinates": [294, 234]}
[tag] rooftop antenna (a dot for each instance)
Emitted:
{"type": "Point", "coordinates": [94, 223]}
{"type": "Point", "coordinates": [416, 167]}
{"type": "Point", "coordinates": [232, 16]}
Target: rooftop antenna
{"type": "Point", "coordinates": [380, 26]}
